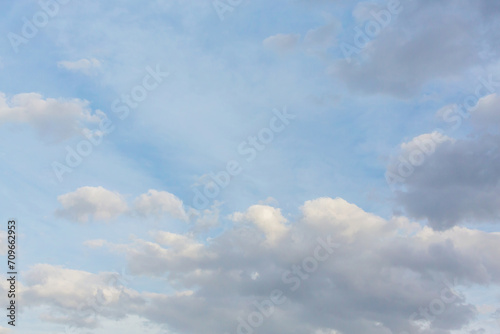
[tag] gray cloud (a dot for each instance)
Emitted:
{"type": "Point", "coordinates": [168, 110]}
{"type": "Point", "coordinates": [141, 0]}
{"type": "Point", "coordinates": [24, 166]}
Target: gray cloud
{"type": "Point", "coordinates": [459, 182]}
{"type": "Point", "coordinates": [381, 273]}
{"type": "Point", "coordinates": [420, 45]}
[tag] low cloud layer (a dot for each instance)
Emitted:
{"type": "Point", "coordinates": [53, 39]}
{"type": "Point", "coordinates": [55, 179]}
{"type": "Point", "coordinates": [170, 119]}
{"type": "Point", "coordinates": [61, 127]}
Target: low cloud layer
{"type": "Point", "coordinates": [366, 274]}
{"type": "Point", "coordinates": [397, 47]}
{"type": "Point", "coordinates": [100, 204]}
{"type": "Point", "coordinates": [453, 181]}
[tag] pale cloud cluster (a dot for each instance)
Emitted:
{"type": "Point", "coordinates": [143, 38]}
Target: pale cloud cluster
{"type": "Point", "coordinates": [414, 45]}
{"type": "Point", "coordinates": [397, 47]}
{"type": "Point", "coordinates": [485, 115]}
{"type": "Point", "coordinates": [76, 297]}
{"type": "Point", "coordinates": [53, 119]}
{"type": "Point", "coordinates": [157, 203]}
{"type": "Point", "coordinates": [95, 202]}
{"type": "Point", "coordinates": [454, 181]}
{"type": "Point", "coordinates": [382, 273]}
{"type": "Point", "coordinates": [341, 269]}
{"type": "Point", "coordinates": [267, 219]}
{"type": "Point", "coordinates": [99, 203]}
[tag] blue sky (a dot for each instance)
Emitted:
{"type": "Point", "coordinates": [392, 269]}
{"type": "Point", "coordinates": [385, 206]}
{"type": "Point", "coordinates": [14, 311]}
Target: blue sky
{"type": "Point", "coordinates": [374, 123]}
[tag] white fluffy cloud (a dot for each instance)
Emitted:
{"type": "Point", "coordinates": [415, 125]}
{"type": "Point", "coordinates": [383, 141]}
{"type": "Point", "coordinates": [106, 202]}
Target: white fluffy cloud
{"type": "Point", "coordinates": [103, 204]}
{"type": "Point", "coordinates": [267, 219]}
{"type": "Point", "coordinates": [95, 202]}
{"type": "Point", "coordinates": [77, 298]}
{"type": "Point", "coordinates": [157, 203]}
{"type": "Point", "coordinates": [53, 119]}
{"type": "Point", "coordinates": [370, 275]}
{"type": "Point", "coordinates": [451, 181]}
{"type": "Point", "coordinates": [459, 183]}
{"type": "Point", "coordinates": [486, 113]}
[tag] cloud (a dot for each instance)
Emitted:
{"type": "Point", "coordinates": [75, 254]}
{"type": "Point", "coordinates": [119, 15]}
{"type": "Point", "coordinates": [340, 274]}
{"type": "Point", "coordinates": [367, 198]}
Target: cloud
{"type": "Point", "coordinates": [75, 298]}
{"type": "Point", "coordinates": [150, 258]}
{"type": "Point", "coordinates": [53, 119]}
{"type": "Point", "coordinates": [327, 214]}
{"type": "Point", "coordinates": [157, 203]}
{"type": "Point", "coordinates": [485, 115]}
{"type": "Point", "coordinates": [414, 47]}
{"type": "Point", "coordinates": [204, 220]}
{"type": "Point", "coordinates": [182, 244]}
{"type": "Point", "coordinates": [377, 273]}
{"type": "Point", "coordinates": [103, 204]}
{"type": "Point", "coordinates": [431, 140]}
{"type": "Point", "coordinates": [86, 66]}
{"type": "Point", "coordinates": [268, 219]}
{"type": "Point", "coordinates": [413, 153]}
{"type": "Point", "coordinates": [281, 42]}
{"type": "Point", "coordinates": [459, 183]}
{"type": "Point", "coordinates": [95, 202]}
{"type": "Point", "coordinates": [453, 181]}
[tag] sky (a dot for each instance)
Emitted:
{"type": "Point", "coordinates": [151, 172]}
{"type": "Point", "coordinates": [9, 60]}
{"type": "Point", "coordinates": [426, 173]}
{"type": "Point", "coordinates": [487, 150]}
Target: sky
{"type": "Point", "coordinates": [250, 166]}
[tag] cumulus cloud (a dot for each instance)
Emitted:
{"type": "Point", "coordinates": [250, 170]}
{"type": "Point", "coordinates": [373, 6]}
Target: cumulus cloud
{"type": "Point", "coordinates": [453, 181]}
{"type": "Point", "coordinates": [281, 42]}
{"type": "Point", "coordinates": [425, 142]}
{"type": "Point", "coordinates": [157, 203]}
{"type": "Point", "coordinates": [204, 220]}
{"type": "Point", "coordinates": [268, 219]}
{"type": "Point", "coordinates": [95, 202]}
{"type": "Point", "coordinates": [150, 258]}
{"type": "Point", "coordinates": [348, 220]}
{"type": "Point", "coordinates": [76, 298]}
{"type": "Point", "coordinates": [412, 154]}
{"type": "Point", "coordinates": [367, 274]}
{"type": "Point", "coordinates": [86, 66]}
{"type": "Point", "coordinates": [458, 184]}
{"type": "Point", "coordinates": [414, 47]}
{"type": "Point", "coordinates": [103, 204]}
{"type": "Point", "coordinates": [485, 115]}
{"type": "Point", "coordinates": [53, 119]}
{"type": "Point", "coordinates": [183, 245]}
